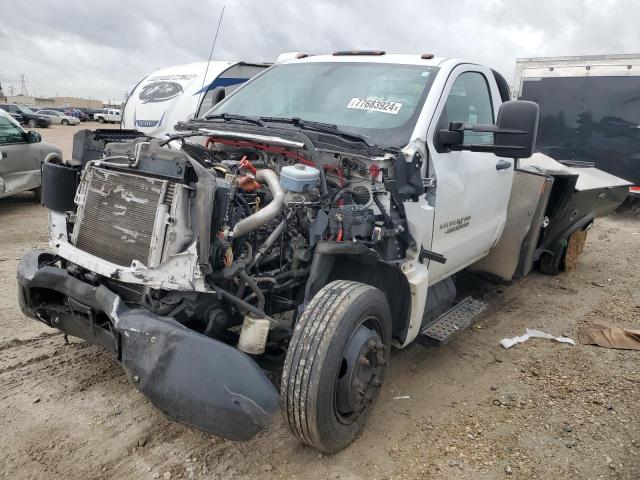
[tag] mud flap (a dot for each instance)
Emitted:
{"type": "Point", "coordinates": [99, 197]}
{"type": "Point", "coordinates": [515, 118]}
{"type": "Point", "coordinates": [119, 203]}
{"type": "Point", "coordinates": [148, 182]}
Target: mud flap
{"type": "Point", "coordinates": [193, 379]}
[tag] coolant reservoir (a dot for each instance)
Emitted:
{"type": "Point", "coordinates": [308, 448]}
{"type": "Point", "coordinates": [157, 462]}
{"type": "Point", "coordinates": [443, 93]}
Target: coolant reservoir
{"type": "Point", "coordinates": [253, 336]}
{"type": "Point", "coordinates": [299, 178]}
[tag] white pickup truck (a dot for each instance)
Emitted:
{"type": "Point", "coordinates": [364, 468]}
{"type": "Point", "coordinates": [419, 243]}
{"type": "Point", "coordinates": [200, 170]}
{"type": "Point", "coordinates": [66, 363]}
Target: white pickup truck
{"type": "Point", "coordinates": [108, 115]}
{"type": "Point", "coordinates": [320, 215]}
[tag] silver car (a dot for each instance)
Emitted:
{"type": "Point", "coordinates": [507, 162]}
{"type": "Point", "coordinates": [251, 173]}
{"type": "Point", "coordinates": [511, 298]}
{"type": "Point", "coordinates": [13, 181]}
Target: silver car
{"type": "Point", "coordinates": [59, 117]}
{"type": "Point", "coordinates": [21, 155]}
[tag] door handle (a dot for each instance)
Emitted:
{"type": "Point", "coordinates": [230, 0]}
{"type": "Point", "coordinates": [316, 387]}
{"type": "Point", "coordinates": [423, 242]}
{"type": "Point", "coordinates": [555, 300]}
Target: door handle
{"type": "Point", "coordinates": [503, 165]}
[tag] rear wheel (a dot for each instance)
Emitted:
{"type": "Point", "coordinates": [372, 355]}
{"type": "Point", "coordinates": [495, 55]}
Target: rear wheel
{"type": "Point", "coordinates": [551, 263]}
{"type": "Point", "coordinates": [335, 364]}
{"type": "Point", "coordinates": [100, 119]}
{"type": "Point", "coordinates": [38, 193]}
{"type": "Point", "coordinates": [33, 123]}
{"type": "Point", "coordinates": [65, 122]}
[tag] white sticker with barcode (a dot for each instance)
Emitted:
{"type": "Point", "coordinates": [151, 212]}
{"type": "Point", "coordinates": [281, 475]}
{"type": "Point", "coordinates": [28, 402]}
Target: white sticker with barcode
{"type": "Point", "coordinates": [375, 105]}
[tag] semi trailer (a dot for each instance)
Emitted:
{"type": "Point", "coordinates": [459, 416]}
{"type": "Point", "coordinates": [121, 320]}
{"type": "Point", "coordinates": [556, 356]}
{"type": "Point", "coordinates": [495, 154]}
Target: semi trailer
{"type": "Point", "coordinates": [269, 254]}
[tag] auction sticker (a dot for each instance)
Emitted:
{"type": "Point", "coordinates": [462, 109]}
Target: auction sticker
{"type": "Point", "coordinates": [373, 105]}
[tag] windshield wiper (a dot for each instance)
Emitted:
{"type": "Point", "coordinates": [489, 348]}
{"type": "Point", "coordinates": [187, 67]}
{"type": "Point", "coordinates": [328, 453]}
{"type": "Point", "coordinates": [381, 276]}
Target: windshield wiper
{"type": "Point", "coordinates": [318, 127]}
{"type": "Point", "coordinates": [228, 117]}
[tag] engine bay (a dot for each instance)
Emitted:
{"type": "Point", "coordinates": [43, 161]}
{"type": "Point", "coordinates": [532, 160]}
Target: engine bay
{"type": "Point", "coordinates": [221, 236]}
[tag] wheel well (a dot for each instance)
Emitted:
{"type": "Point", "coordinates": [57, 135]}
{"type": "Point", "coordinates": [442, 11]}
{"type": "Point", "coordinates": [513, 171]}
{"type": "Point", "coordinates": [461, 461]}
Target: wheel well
{"type": "Point", "coordinates": [357, 263]}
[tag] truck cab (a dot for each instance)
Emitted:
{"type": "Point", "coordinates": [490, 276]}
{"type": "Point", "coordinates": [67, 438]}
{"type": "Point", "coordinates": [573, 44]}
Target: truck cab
{"type": "Point", "coordinates": [309, 222]}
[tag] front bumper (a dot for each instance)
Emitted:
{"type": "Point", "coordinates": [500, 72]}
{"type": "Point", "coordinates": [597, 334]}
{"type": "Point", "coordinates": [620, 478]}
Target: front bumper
{"type": "Point", "coordinates": [190, 377]}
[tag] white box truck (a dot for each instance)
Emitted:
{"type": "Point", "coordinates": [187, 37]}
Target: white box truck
{"type": "Point", "coordinates": [589, 109]}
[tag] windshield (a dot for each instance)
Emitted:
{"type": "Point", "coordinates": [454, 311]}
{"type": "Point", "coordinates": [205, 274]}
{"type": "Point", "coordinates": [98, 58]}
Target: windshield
{"type": "Point", "coordinates": [26, 110]}
{"type": "Point", "coordinates": [379, 100]}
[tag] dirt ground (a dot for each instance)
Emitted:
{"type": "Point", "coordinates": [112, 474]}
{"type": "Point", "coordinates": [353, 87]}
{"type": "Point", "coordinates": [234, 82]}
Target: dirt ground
{"type": "Point", "coordinates": [468, 410]}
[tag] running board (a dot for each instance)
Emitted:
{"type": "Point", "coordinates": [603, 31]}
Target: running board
{"type": "Point", "coordinates": [456, 319]}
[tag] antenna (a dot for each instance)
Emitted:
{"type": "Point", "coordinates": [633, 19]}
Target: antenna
{"type": "Point", "coordinates": [215, 37]}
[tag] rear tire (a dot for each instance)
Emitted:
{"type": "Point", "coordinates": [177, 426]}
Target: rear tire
{"type": "Point", "coordinates": [552, 263]}
{"type": "Point", "coordinates": [335, 364]}
{"type": "Point", "coordinates": [32, 123]}
{"type": "Point", "coordinates": [100, 120]}
{"type": "Point", "coordinates": [65, 122]}
{"type": "Point", "coordinates": [38, 194]}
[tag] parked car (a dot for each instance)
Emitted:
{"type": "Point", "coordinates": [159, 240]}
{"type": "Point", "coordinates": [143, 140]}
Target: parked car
{"type": "Point", "coordinates": [66, 110]}
{"type": "Point", "coordinates": [89, 112]}
{"type": "Point", "coordinates": [82, 116]}
{"type": "Point", "coordinates": [59, 117]}
{"type": "Point", "coordinates": [29, 117]}
{"type": "Point", "coordinates": [108, 115]}
{"type": "Point", "coordinates": [21, 156]}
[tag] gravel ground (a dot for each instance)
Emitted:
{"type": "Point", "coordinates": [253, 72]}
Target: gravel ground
{"type": "Point", "coordinates": [541, 410]}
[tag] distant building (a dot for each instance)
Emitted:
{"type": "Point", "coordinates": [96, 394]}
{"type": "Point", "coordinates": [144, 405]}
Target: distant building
{"type": "Point", "coordinates": [77, 102]}
{"type": "Point", "coordinates": [74, 102]}
{"type": "Point", "coordinates": [30, 101]}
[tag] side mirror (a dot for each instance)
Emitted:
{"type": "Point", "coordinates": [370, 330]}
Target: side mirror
{"type": "Point", "coordinates": [514, 135]}
{"type": "Point", "coordinates": [517, 115]}
{"type": "Point", "coordinates": [33, 137]}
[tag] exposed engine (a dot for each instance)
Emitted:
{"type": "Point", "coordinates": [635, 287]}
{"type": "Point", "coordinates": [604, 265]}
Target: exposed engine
{"type": "Point", "coordinates": [251, 213]}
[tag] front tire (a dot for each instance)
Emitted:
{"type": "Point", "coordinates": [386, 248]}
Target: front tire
{"type": "Point", "coordinates": [65, 122]}
{"type": "Point", "coordinates": [335, 364]}
{"type": "Point", "coordinates": [32, 123]}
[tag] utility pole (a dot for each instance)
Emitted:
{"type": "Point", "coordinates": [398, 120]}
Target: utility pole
{"type": "Point", "coordinates": [11, 90]}
{"type": "Point", "coordinates": [23, 85]}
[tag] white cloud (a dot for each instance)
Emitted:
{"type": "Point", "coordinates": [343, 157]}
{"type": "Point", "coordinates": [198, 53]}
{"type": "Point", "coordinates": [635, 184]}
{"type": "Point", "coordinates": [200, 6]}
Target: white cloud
{"type": "Point", "coordinates": [103, 48]}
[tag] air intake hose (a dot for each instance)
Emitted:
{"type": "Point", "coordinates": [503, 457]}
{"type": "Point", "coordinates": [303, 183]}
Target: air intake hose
{"type": "Point", "coordinates": [267, 213]}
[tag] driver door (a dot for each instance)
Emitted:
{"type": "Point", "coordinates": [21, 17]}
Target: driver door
{"type": "Point", "coordinates": [473, 188]}
{"type": "Point", "coordinates": [19, 162]}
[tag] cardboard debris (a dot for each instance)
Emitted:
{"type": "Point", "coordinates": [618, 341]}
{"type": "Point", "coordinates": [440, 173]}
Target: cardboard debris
{"type": "Point", "coordinates": [611, 337]}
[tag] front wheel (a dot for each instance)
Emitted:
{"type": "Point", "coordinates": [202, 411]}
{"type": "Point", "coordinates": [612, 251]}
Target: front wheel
{"type": "Point", "coordinates": [335, 364]}
{"type": "Point", "coordinates": [65, 122]}
{"type": "Point", "coordinates": [33, 123]}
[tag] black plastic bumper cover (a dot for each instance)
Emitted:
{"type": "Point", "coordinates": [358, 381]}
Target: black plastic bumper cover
{"type": "Point", "coordinates": [191, 378]}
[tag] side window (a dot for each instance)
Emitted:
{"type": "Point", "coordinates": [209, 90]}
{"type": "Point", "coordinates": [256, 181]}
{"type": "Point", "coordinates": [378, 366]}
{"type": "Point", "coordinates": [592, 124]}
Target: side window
{"type": "Point", "coordinates": [470, 102]}
{"type": "Point", "coordinates": [9, 132]}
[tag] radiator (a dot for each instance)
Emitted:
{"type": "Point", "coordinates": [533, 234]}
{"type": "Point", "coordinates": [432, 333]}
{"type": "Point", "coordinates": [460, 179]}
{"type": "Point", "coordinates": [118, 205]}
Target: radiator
{"type": "Point", "coordinates": [117, 215]}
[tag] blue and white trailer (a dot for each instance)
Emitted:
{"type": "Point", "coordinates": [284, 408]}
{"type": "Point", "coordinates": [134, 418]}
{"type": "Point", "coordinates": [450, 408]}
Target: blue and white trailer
{"type": "Point", "coordinates": [182, 92]}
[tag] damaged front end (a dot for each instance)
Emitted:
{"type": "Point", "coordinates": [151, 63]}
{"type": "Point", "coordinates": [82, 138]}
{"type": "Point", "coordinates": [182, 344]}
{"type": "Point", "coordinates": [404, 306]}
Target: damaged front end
{"type": "Point", "coordinates": [192, 378]}
{"type": "Point", "coordinates": [191, 263]}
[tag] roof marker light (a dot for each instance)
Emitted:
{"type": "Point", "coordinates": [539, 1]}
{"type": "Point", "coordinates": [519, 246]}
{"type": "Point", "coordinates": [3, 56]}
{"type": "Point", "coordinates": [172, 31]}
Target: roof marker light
{"type": "Point", "coordinates": [359, 52]}
{"type": "Point", "coordinates": [427, 56]}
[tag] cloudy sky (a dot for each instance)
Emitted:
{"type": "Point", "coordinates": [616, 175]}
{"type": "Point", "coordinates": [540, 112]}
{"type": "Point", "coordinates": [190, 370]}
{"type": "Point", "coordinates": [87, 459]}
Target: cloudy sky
{"type": "Point", "coordinates": [103, 48]}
